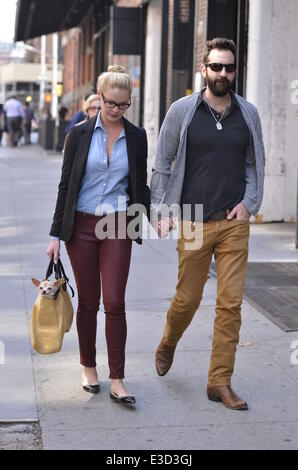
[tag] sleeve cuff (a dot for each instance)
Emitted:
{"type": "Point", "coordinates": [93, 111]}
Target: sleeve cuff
{"type": "Point", "coordinates": [249, 206]}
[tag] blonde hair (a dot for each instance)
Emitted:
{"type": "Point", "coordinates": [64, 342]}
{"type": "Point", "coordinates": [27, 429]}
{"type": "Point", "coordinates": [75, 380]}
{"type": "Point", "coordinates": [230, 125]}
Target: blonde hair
{"type": "Point", "coordinates": [88, 102]}
{"type": "Point", "coordinates": [115, 77]}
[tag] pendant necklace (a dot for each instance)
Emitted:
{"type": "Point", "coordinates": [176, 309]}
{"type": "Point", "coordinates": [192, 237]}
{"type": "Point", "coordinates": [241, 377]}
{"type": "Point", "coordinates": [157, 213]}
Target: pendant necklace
{"type": "Point", "coordinates": [218, 121]}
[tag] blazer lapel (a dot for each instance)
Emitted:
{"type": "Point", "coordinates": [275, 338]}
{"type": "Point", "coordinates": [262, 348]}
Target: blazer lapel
{"type": "Point", "coordinates": [131, 144]}
{"type": "Point", "coordinates": [84, 145]}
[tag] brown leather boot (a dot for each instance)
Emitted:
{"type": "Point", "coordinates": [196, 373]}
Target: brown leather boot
{"type": "Point", "coordinates": [164, 358]}
{"type": "Point", "coordinates": [226, 394]}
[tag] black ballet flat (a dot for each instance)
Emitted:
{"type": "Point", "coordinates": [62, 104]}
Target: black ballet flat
{"type": "Point", "coordinates": [95, 388]}
{"type": "Point", "coordinates": [91, 388]}
{"type": "Point", "coordinates": [127, 399]}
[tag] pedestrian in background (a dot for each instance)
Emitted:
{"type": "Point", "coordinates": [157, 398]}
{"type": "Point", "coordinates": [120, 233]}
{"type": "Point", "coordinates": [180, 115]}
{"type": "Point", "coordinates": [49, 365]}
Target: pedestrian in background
{"type": "Point", "coordinates": [91, 106]}
{"type": "Point", "coordinates": [104, 172]}
{"type": "Point", "coordinates": [79, 116]}
{"type": "Point", "coordinates": [63, 123]}
{"type": "Point", "coordinates": [15, 114]}
{"type": "Point", "coordinates": [1, 122]}
{"type": "Point", "coordinates": [28, 118]}
{"type": "Point", "coordinates": [5, 130]}
{"type": "Point", "coordinates": [215, 138]}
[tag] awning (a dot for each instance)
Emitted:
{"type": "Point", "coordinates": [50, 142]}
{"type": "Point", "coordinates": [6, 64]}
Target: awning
{"type": "Point", "coordinates": [37, 17]}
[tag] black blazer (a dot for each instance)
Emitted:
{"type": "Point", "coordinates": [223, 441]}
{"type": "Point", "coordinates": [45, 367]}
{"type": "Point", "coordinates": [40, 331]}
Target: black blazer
{"type": "Point", "coordinates": [73, 169]}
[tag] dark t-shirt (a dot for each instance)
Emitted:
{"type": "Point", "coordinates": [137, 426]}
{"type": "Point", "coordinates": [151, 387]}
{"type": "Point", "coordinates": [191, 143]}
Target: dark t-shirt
{"type": "Point", "coordinates": [215, 161]}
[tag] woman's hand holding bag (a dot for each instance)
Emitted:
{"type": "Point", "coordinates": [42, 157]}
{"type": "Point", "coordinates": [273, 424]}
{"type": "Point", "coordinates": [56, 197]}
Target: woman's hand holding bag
{"type": "Point", "coordinates": [52, 317]}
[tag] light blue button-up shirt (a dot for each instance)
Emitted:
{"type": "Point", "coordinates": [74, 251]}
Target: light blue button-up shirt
{"type": "Point", "coordinates": [13, 108]}
{"type": "Point", "coordinates": [104, 187]}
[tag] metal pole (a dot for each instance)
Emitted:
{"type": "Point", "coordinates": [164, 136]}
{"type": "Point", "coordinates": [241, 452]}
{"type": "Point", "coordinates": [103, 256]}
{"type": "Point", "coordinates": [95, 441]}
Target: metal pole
{"type": "Point", "coordinates": [43, 71]}
{"type": "Point", "coordinates": [55, 79]}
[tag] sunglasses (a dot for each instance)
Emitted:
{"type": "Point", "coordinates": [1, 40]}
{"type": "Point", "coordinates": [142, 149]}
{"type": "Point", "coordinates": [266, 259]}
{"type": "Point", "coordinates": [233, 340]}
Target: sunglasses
{"type": "Point", "coordinates": [111, 104]}
{"type": "Point", "coordinates": [216, 67]}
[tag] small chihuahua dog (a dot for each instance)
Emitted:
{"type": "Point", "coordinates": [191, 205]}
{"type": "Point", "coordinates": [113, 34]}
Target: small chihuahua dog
{"type": "Point", "coordinates": [48, 288]}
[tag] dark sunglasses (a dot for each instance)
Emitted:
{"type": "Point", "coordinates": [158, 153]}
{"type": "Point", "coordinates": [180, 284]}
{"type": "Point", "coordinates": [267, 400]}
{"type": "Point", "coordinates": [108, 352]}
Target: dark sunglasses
{"type": "Point", "coordinates": [111, 104]}
{"type": "Point", "coordinates": [216, 67]}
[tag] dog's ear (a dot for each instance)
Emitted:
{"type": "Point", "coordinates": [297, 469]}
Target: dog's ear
{"type": "Point", "coordinates": [59, 282]}
{"type": "Point", "coordinates": [35, 282]}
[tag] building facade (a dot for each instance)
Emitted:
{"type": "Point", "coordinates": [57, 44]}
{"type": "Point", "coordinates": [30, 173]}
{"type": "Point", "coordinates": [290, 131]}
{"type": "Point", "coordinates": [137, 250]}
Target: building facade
{"type": "Point", "coordinates": [161, 43]}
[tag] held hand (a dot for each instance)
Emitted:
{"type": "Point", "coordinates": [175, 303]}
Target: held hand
{"type": "Point", "coordinates": [165, 226]}
{"type": "Point", "coordinates": [54, 250]}
{"type": "Point", "coordinates": [240, 212]}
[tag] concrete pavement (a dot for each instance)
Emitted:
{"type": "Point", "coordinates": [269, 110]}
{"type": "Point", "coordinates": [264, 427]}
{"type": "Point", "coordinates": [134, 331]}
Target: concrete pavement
{"type": "Point", "coordinates": [172, 412]}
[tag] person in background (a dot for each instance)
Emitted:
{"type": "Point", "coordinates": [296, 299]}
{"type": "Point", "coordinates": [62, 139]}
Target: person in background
{"type": "Point", "coordinates": [78, 117]}
{"type": "Point", "coordinates": [15, 114]}
{"type": "Point", "coordinates": [1, 122]}
{"type": "Point", "coordinates": [5, 129]}
{"type": "Point", "coordinates": [63, 113]}
{"type": "Point", "coordinates": [63, 123]}
{"type": "Point", "coordinates": [28, 117]}
{"type": "Point", "coordinates": [91, 106]}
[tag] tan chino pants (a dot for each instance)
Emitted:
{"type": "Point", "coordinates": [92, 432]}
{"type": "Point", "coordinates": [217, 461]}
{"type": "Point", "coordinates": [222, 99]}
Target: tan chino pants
{"type": "Point", "coordinates": [228, 240]}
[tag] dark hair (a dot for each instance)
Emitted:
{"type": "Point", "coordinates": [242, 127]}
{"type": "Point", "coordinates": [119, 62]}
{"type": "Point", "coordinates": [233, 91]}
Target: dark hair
{"type": "Point", "coordinates": [221, 44]}
{"type": "Point", "coordinates": [62, 112]}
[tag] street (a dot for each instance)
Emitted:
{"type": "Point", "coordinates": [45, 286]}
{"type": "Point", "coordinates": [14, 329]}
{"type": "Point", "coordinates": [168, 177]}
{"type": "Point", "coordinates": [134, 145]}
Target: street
{"type": "Point", "coordinates": [172, 412]}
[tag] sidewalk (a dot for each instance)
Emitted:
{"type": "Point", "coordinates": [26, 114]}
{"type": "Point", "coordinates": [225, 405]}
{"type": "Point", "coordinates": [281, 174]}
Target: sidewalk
{"type": "Point", "coordinates": [172, 412]}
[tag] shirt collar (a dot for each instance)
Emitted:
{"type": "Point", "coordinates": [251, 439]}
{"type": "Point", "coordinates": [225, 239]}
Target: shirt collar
{"type": "Point", "coordinates": [98, 125]}
{"type": "Point", "coordinates": [234, 102]}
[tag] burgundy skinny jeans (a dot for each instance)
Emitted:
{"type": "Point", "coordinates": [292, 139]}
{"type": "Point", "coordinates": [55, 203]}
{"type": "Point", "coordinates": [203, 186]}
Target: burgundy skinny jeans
{"type": "Point", "coordinates": [97, 263]}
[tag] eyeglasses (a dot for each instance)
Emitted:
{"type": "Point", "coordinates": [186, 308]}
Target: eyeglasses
{"type": "Point", "coordinates": [216, 67]}
{"type": "Point", "coordinates": [93, 108]}
{"type": "Point", "coordinates": [111, 104]}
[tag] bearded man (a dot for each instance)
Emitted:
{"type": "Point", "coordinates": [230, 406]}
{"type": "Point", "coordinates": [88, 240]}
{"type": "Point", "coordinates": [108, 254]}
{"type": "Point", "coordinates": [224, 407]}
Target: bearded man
{"type": "Point", "coordinates": [210, 152]}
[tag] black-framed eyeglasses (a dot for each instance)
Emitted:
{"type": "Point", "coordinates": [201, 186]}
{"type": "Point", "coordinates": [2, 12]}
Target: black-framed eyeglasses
{"type": "Point", "coordinates": [111, 104]}
{"type": "Point", "coordinates": [216, 67]}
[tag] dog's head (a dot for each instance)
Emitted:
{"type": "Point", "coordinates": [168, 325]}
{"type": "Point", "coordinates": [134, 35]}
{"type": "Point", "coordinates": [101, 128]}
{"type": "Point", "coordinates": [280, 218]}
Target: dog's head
{"type": "Point", "coordinates": [48, 288]}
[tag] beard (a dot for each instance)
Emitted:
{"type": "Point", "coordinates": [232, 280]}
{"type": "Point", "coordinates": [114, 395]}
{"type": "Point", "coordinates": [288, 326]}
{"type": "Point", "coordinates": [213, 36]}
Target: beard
{"type": "Point", "coordinates": [220, 86]}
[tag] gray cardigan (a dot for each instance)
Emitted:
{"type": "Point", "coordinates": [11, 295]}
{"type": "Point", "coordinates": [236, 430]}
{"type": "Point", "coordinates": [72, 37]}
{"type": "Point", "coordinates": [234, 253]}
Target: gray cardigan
{"type": "Point", "coordinates": [169, 166]}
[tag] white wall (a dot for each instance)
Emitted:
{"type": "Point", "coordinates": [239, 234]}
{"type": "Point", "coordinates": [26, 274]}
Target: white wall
{"type": "Point", "coordinates": [290, 200]}
{"type": "Point", "coordinates": [152, 77]}
{"type": "Point", "coordinates": [272, 64]}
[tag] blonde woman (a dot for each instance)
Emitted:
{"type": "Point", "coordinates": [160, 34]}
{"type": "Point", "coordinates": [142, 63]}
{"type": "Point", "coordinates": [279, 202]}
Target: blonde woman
{"type": "Point", "coordinates": [105, 158]}
{"type": "Point", "coordinates": [91, 106]}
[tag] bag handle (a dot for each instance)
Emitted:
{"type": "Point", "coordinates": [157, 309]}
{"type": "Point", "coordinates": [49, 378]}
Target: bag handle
{"type": "Point", "coordinates": [59, 273]}
{"type": "Point", "coordinates": [50, 269]}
